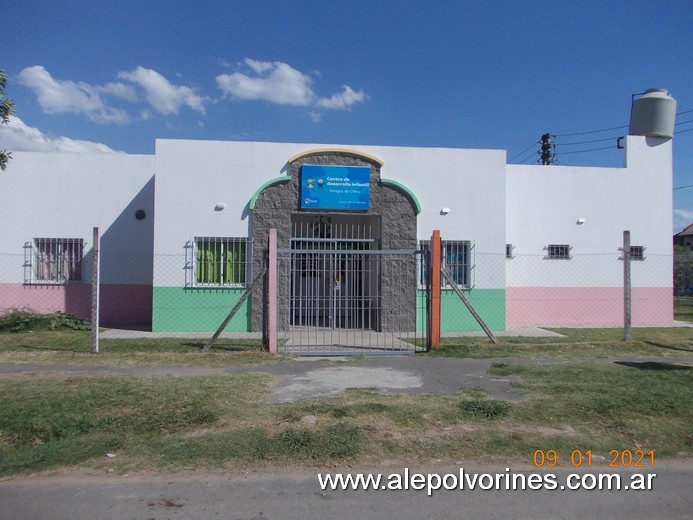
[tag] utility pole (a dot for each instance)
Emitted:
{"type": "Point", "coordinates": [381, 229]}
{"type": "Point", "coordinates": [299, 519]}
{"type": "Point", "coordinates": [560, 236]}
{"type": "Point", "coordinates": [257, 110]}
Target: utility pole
{"type": "Point", "coordinates": [547, 154]}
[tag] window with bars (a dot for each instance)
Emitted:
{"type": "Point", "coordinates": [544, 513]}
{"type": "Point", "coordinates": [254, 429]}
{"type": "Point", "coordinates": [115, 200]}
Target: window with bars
{"type": "Point", "coordinates": [221, 261]}
{"type": "Point", "coordinates": [636, 253]}
{"type": "Point", "coordinates": [457, 260]}
{"type": "Point", "coordinates": [558, 252]}
{"type": "Point", "coordinates": [53, 260]}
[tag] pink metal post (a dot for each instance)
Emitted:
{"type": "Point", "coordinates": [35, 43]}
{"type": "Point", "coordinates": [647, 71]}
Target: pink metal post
{"type": "Point", "coordinates": [272, 292]}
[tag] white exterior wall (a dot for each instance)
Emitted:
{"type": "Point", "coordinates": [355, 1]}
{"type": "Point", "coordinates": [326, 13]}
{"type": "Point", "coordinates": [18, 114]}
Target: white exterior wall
{"type": "Point", "coordinates": [193, 176]}
{"type": "Point", "coordinates": [66, 195]}
{"type": "Point", "coordinates": [545, 202]}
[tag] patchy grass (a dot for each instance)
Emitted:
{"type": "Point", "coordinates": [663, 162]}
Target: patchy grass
{"type": "Point", "coordinates": [74, 347]}
{"type": "Point", "coordinates": [226, 423]}
{"type": "Point", "coordinates": [683, 308]}
{"type": "Point", "coordinates": [575, 344]}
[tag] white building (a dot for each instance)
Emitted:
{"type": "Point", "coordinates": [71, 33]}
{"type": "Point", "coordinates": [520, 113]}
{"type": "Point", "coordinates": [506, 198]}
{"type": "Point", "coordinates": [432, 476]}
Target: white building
{"type": "Point", "coordinates": [184, 231]}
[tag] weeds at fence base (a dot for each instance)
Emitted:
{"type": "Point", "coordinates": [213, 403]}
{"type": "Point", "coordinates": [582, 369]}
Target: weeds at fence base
{"type": "Point", "coordinates": [23, 320]}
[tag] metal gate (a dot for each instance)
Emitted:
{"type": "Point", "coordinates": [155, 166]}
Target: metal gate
{"type": "Point", "coordinates": [341, 296]}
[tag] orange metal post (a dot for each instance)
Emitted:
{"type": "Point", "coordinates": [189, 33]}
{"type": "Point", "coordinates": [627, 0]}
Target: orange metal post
{"type": "Point", "coordinates": [436, 259]}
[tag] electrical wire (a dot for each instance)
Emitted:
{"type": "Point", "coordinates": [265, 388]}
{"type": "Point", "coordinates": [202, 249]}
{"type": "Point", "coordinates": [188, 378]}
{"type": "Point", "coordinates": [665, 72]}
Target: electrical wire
{"type": "Point", "coordinates": [594, 140]}
{"type": "Point", "coordinates": [588, 142]}
{"type": "Point", "coordinates": [682, 187]}
{"type": "Point", "coordinates": [617, 127]}
{"type": "Point", "coordinates": [523, 151]}
{"type": "Point", "coordinates": [592, 131]}
{"type": "Point", "coordinates": [585, 151]}
{"type": "Point", "coordinates": [528, 157]}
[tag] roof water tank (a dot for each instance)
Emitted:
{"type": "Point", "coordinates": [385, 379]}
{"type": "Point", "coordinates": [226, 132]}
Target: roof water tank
{"type": "Point", "coordinates": [653, 114]}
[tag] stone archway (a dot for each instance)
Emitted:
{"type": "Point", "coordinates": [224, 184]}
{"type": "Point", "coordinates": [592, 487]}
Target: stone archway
{"type": "Point", "coordinates": [276, 205]}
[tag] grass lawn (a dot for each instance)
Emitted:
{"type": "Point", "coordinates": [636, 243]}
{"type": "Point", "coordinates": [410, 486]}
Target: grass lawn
{"type": "Point", "coordinates": [74, 347]}
{"type": "Point", "coordinates": [575, 344]}
{"type": "Point", "coordinates": [683, 308]}
{"type": "Point", "coordinates": [225, 423]}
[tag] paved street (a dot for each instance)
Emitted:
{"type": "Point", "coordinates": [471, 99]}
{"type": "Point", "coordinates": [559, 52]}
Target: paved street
{"type": "Point", "coordinates": [299, 496]}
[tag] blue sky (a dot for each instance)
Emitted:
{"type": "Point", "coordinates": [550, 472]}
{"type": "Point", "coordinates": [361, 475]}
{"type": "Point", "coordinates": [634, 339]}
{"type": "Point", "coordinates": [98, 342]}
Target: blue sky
{"type": "Point", "coordinates": [115, 75]}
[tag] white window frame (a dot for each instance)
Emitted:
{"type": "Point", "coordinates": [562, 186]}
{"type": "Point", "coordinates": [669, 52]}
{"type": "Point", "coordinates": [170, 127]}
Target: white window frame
{"type": "Point", "coordinates": [220, 273]}
{"type": "Point", "coordinates": [54, 261]}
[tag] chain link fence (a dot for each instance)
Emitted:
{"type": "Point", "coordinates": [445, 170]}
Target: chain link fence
{"type": "Point", "coordinates": [161, 294]}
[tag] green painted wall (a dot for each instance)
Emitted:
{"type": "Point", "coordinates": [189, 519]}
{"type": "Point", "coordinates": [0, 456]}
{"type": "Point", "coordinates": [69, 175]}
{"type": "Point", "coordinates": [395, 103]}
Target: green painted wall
{"type": "Point", "coordinates": [489, 303]}
{"type": "Point", "coordinates": [176, 309]}
{"type": "Point", "coordinates": [202, 310]}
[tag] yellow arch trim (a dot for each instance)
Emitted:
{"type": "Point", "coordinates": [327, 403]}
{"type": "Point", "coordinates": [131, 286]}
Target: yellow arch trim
{"type": "Point", "coordinates": [336, 150]}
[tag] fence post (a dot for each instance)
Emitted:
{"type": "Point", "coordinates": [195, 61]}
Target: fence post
{"type": "Point", "coordinates": [272, 292]}
{"type": "Point", "coordinates": [627, 332]}
{"type": "Point", "coordinates": [95, 291]}
{"type": "Point", "coordinates": [436, 258]}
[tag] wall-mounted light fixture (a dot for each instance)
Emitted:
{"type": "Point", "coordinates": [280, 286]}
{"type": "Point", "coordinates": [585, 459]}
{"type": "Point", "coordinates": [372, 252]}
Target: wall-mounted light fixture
{"type": "Point", "coordinates": [444, 211]}
{"type": "Point", "coordinates": [220, 206]}
{"type": "Point", "coordinates": [581, 221]}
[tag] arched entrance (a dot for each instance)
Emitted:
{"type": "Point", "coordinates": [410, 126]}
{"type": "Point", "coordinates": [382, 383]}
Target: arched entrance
{"type": "Point", "coordinates": [347, 262]}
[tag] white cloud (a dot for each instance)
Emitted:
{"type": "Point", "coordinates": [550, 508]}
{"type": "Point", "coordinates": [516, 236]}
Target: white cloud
{"type": "Point", "coordinates": [17, 136]}
{"type": "Point", "coordinates": [58, 96]}
{"type": "Point", "coordinates": [344, 100]}
{"type": "Point", "coordinates": [280, 83]}
{"type": "Point", "coordinates": [273, 81]}
{"type": "Point", "coordinates": [682, 217]}
{"type": "Point", "coordinates": [165, 97]}
{"type": "Point", "coordinates": [65, 96]}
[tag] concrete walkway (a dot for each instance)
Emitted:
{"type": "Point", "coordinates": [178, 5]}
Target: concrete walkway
{"type": "Point", "coordinates": [523, 330]}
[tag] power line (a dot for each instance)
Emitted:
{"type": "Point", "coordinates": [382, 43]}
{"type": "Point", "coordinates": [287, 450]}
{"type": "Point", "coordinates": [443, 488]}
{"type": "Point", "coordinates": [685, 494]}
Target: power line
{"type": "Point", "coordinates": [593, 131]}
{"type": "Point", "coordinates": [523, 151]}
{"type": "Point", "coordinates": [682, 187]}
{"type": "Point", "coordinates": [523, 160]}
{"type": "Point", "coordinates": [588, 142]}
{"type": "Point", "coordinates": [594, 140]}
{"type": "Point", "coordinates": [617, 127]}
{"type": "Point", "coordinates": [585, 151]}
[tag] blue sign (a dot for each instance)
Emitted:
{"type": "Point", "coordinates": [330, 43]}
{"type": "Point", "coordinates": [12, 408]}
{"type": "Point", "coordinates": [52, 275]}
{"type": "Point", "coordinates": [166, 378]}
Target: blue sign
{"type": "Point", "coordinates": [335, 187]}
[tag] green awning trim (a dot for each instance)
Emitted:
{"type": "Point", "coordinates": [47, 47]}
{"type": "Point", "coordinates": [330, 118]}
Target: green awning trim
{"type": "Point", "coordinates": [269, 183]}
{"type": "Point", "coordinates": [400, 186]}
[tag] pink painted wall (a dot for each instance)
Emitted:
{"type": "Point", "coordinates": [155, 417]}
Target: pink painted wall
{"type": "Point", "coordinates": [572, 306]}
{"type": "Point", "coordinates": [121, 304]}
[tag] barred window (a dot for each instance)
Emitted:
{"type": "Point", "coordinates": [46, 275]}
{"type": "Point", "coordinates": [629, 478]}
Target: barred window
{"type": "Point", "coordinates": [637, 252]}
{"type": "Point", "coordinates": [457, 260]}
{"type": "Point", "coordinates": [558, 252]}
{"type": "Point", "coordinates": [422, 274]}
{"type": "Point", "coordinates": [53, 260]}
{"type": "Point", "coordinates": [221, 261]}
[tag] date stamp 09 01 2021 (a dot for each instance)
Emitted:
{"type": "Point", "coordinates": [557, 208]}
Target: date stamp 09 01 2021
{"type": "Point", "coordinates": [617, 459]}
